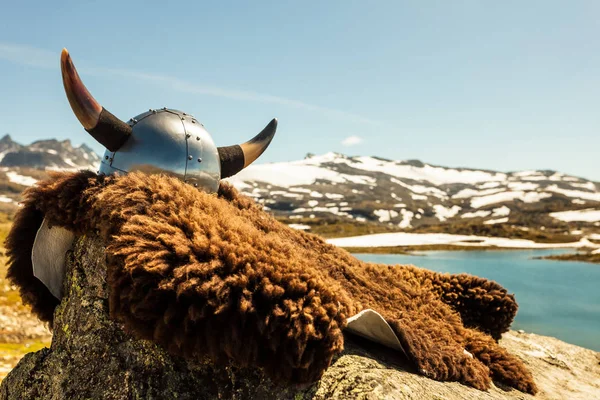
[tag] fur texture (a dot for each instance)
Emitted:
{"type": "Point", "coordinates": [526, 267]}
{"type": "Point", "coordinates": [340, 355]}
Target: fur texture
{"type": "Point", "coordinates": [215, 275]}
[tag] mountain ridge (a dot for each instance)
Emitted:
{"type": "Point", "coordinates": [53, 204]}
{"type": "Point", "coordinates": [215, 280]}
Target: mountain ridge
{"type": "Point", "coordinates": [46, 154]}
{"type": "Point", "coordinates": [413, 195]}
{"type": "Point", "coordinates": [396, 195]}
{"type": "Point", "coordinates": [420, 163]}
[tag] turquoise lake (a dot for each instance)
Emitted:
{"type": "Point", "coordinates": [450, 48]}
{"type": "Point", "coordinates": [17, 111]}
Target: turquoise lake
{"type": "Point", "coordinates": [556, 298]}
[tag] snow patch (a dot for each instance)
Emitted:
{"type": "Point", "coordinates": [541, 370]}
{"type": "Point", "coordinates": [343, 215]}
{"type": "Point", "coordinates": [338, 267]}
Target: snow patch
{"type": "Point", "coordinates": [575, 193]}
{"type": "Point", "coordinates": [300, 227]}
{"type": "Point", "coordinates": [332, 210]}
{"type": "Point", "coordinates": [444, 213]}
{"type": "Point", "coordinates": [489, 185]}
{"type": "Point", "coordinates": [385, 215]}
{"type": "Point", "coordinates": [406, 218]}
{"type": "Point", "coordinates": [526, 173]}
{"type": "Point", "coordinates": [20, 179]}
{"type": "Point", "coordinates": [535, 178]}
{"type": "Point", "coordinates": [589, 186]}
{"type": "Point", "coordinates": [527, 197]}
{"type": "Point", "coordinates": [523, 186]}
{"type": "Point", "coordinates": [467, 193]}
{"type": "Point", "coordinates": [416, 239]}
{"type": "Point", "coordinates": [285, 194]}
{"type": "Point", "coordinates": [69, 162]}
{"type": "Point", "coordinates": [427, 190]}
{"type": "Point", "coordinates": [297, 173]}
{"type": "Point", "coordinates": [329, 157]}
{"type": "Point", "coordinates": [435, 175]}
{"type": "Point", "coordinates": [500, 211]}
{"type": "Point", "coordinates": [589, 215]}
{"type": "Point", "coordinates": [476, 214]}
{"type": "Point", "coordinates": [496, 221]}
{"type": "Point", "coordinates": [557, 176]}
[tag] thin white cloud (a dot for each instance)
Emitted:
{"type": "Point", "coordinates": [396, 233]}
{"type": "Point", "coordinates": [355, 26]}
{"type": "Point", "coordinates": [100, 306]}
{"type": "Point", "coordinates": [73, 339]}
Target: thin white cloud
{"type": "Point", "coordinates": [31, 56]}
{"type": "Point", "coordinates": [352, 141]}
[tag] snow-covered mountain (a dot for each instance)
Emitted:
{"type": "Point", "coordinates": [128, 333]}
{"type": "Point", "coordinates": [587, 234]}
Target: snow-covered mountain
{"type": "Point", "coordinates": [412, 194]}
{"type": "Point", "coordinates": [46, 154]}
{"type": "Point", "coordinates": [22, 165]}
{"type": "Point", "coordinates": [406, 195]}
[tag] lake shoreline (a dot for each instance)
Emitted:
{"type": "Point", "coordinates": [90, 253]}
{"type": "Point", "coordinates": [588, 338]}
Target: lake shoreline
{"type": "Point", "coordinates": [558, 299]}
{"type": "Point", "coordinates": [578, 256]}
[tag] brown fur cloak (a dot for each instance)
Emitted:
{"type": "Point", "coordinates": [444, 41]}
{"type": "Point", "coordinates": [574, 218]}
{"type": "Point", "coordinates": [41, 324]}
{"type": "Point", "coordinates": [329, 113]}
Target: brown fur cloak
{"type": "Point", "coordinates": [213, 274]}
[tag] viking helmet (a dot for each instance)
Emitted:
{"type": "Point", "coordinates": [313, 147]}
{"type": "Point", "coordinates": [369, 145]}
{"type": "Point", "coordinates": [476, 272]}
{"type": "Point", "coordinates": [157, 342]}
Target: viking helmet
{"type": "Point", "coordinates": [159, 141]}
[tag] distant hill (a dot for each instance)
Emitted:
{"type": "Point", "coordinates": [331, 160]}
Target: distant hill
{"type": "Point", "coordinates": [22, 165]}
{"type": "Point", "coordinates": [413, 195]}
{"type": "Point", "coordinates": [332, 194]}
{"type": "Point", "coordinates": [46, 154]}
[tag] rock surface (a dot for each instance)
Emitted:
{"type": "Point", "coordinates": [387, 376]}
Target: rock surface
{"type": "Point", "coordinates": [91, 357]}
{"type": "Point", "coordinates": [20, 331]}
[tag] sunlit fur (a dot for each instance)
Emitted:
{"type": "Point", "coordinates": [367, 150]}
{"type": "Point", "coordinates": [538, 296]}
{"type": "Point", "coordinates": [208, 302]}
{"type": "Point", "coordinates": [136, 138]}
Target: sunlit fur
{"type": "Point", "coordinates": [214, 275]}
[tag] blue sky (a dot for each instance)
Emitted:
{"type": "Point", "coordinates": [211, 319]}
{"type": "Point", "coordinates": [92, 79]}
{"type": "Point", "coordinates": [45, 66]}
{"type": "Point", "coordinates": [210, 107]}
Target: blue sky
{"type": "Point", "coordinates": [500, 85]}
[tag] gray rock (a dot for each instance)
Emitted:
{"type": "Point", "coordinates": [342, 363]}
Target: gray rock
{"type": "Point", "coordinates": [91, 357]}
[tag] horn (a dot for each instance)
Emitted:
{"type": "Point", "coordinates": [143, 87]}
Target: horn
{"type": "Point", "coordinates": [237, 157]}
{"type": "Point", "coordinates": [97, 121]}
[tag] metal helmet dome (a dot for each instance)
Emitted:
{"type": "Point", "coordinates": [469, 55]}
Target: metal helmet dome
{"type": "Point", "coordinates": [159, 141]}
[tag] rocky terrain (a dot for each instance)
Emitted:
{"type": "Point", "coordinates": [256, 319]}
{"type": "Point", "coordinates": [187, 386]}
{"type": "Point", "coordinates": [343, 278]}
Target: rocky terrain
{"type": "Point", "coordinates": [22, 165]}
{"type": "Point", "coordinates": [46, 154]}
{"type": "Point", "coordinates": [412, 194]}
{"type": "Point", "coordinates": [592, 256]}
{"type": "Point", "coordinates": [91, 358]}
{"type": "Point", "coordinates": [20, 331]}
